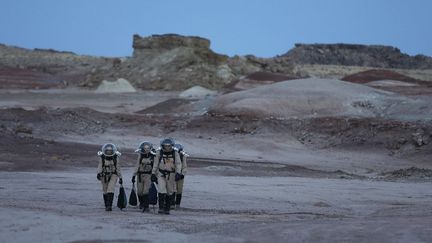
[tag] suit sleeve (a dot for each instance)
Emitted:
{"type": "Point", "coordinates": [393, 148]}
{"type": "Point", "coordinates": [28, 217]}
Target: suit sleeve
{"type": "Point", "coordinates": [118, 168]}
{"type": "Point", "coordinates": [99, 169]}
{"type": "Point", "coordinates": [136, 166]}
{"type": "Point", "coordinates": [156, 163]}
{"type": "Point", "coordinates": [184, 165]}
{"type": "Point", "coordinates": [178, 165]}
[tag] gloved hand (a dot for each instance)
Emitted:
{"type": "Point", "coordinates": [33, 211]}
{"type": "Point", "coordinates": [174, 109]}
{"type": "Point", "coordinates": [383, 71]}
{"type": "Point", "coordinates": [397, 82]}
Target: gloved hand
{"type": "Point", "coordinates": [99, 176]}
{"type": "Point", "coordinates": [153, 178]}
{"type": "Point", "coordinates": [182, 176]}
{"type": "Point", "coordinates": [133, 179]}
{"type": "Point", "coordinates": [121, 181]}
{"type": "Point", "coordinates": [177, 177]}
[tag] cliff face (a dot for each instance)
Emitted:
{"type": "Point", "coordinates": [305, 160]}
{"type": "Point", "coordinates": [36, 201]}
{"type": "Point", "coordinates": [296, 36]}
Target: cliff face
{"type": "Point", "coordinates": [175, 62]}
{"type": "Point", "coordinates": [168, 41]}
{"type": "Point", "coordinates": [171, 62]}
{"type": "Point", "coordinates": [356, 55]}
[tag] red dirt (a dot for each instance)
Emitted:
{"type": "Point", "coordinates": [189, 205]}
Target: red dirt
{"type": "Point", "coordinates": [259, 78]}
{"type": "Point", "coordinates": [266, 76]}
{"type": "Point", "coordinates": [17, 78]}
{"type": "Point", "coordinates": [421, 88]}
{"type": "Point", "coordinates": [375, 75]}
{"type": "Point", "coordinates": [25, 153]}
{"type": "Point", "coordinates": [166, 107]}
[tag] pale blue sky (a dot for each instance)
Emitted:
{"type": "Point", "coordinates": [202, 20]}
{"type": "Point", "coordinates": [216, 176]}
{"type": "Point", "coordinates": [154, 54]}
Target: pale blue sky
{"type": "Point", "coordinates": [263, 28]}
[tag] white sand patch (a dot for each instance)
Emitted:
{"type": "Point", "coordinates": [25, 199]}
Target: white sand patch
{"type": "Point", "coordinates": [197, 92]}
{"type": "Point", "coordinates": [119, 86]}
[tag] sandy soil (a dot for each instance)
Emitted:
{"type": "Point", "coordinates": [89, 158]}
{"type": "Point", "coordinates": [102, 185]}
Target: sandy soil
{"type": "Point", "coordinates": [319, 179]}
{"type": "Point", "coordinates": [67, 98]}
{"type": "Point", "coordinates": [67, 207]}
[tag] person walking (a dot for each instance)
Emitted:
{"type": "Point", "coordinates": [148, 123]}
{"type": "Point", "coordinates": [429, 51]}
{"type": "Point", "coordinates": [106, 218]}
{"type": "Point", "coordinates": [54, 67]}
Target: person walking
{"type": "Point", "coordinates": [177, 196]}
{"type": "Point", "coordinates": [166, 171]}
{"type": "Point", "coordinates": [109, 172]}
{"type": "Point", "coordinates": [142, 172]}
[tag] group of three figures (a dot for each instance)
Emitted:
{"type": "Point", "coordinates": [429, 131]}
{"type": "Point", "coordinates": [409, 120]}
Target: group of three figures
{"type": "Point", "coordinates": [165, 166]}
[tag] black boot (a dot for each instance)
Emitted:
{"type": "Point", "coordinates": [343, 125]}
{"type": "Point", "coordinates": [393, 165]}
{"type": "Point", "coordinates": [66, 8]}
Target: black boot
{"type": "Point", "coordinates": [178, 200]}
{"type": "Point", "coordinates": [105, 196]}
{"type": "Point", "coordinates": [145, 203]}
{"type": "Point", "coordinates": [110, 198]}
{"type": "Point", "coordinates": [172, 199]}
{"type": "Point", "coordinates": [167, 204]}
{"type": "Point", "coordinates": [161, 202]}
{"type": "Point", "coordinates": [141, 202]}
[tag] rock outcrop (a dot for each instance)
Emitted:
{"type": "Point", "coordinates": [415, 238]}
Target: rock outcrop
{"type": "Point", "coordinates": [174, 62]}
{"type": "Point", "coordinates": [355, 55]}
{"type": "Point", "coordinates": [167, 42]}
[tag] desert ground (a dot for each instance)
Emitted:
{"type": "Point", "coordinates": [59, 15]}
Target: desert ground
{"type": "Point", "coordinates": [324, 143]}
{"type": "Point", "coordinates": [309, 160]}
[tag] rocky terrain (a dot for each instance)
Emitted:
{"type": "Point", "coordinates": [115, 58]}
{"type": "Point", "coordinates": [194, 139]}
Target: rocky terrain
{"type": "Point", "coordinates": [175, 62]}
{"type": "Point", "coordinates": [356, 55]}
{"type": "Point", "coordinates": [50, 65]}
{"type": "Point", "coordinates": [326, 143]}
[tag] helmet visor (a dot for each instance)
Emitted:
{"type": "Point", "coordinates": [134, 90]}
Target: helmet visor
{"type": "Point", "coordinates": [109, 151]}
{"type": "Point", "coordinates": [167, 147]}
{"type": "Point", "coordinates": [146, 149]}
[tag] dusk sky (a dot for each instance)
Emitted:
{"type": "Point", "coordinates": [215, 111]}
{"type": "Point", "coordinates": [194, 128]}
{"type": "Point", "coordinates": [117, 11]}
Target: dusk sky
{"type": "Point", "coordinates": [262, 28]}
